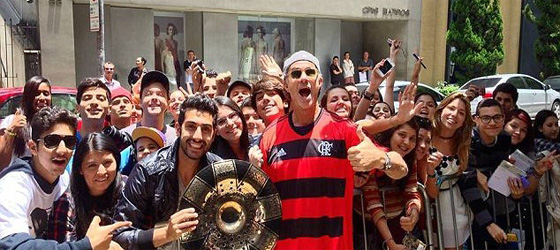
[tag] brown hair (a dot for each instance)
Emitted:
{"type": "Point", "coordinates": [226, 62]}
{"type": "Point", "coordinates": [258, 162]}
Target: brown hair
{"type": "Point", "coordinates": [462, 137]}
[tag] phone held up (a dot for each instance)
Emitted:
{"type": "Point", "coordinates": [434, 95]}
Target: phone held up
{"type": "Point", "coordinates": [385, 68]}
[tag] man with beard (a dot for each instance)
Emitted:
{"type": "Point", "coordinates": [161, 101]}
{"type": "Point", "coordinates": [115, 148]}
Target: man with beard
{"type": "Point", "coordinates": [153, 190]}
{"type": "Point", "coordinates": [311, 156]}
{"type": "Point", "coordinates": [29, 187]}
{"type": "Point", "coordinates": [154, 96]}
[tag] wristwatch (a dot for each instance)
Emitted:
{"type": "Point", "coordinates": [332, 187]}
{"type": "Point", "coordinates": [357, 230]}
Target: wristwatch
{"type": "Point", "coordinates": [387, 164]}
{"type": "Point", "coordinates": [367, 95]}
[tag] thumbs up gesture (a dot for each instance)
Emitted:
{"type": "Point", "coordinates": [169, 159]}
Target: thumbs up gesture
{"type": "Point", "coordinates": [365, 156]}
{"type": "Point", "coordinates": [100, 236]}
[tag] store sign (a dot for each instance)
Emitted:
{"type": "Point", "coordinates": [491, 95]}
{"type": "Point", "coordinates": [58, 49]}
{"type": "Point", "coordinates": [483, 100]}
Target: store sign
{"type": "Point", "coordinates": [93, 15]}
{"type": "Point", "coordinates": [385, 12]}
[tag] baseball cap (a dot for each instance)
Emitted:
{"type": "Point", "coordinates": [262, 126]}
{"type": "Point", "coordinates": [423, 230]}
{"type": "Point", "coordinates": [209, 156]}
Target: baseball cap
{"type": "Point", "coordinates": [152, 133]}
{"type": "Point", "coordinates": [237, 83]}
{"type": "Point", "coordinates": [301, 55]}
{"type": "Point", "coordinates": [120, 91]}
{"type": "Point", "coordinates": [154, 76]}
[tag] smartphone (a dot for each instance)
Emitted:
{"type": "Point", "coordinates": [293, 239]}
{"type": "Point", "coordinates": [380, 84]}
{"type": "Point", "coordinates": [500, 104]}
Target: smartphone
{"type": "Point", "coordinates": [390, 42]}
{"type": "Point", "coordinates": [385, 68]}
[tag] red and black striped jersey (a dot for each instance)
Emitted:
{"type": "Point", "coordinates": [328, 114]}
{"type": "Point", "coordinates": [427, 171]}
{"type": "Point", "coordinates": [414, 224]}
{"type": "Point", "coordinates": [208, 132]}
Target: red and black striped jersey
{"type": "Point", "coordinates": [314, 178]}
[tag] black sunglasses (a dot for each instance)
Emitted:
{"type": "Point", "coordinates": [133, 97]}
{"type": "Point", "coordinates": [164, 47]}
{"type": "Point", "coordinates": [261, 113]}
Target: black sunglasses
{"type": "Point", "coordinates": [296, 74]}
{"type": "Point", "coordinates": [52, 141]}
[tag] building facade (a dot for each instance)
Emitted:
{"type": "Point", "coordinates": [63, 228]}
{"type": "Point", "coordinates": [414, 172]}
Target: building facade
{"type": "Point", "coordinates": [229, 35]}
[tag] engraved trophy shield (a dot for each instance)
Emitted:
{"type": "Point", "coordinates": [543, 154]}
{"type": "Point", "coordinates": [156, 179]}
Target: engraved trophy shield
{"type": "Point", "coordinates": [238, 208]}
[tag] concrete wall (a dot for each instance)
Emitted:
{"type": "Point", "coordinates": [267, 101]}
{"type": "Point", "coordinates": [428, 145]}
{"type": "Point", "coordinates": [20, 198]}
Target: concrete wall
{"type": "Point", "coordinates": [87, 55]}
{"type": "Point", "coordinates": [131, 36]}
{"type": "Point", "coordinates": [511, 16]}
{"type": "Point", "coordinates": [15, 69]}
{"type": "Point", "coordinates": [433, 42]}
{"type": "Point", "coordinates": [311, 8]}
{"type": "Point", "coordinates": [57, 42]}
{"type": "Point", "coordinates": [220, 42]}
{"type": "Point", "coordinates": [351, 40]}
{"type": "Point", "coordinates": [194, 35]}
{"type": "Point", "coordinates": [327, 45]}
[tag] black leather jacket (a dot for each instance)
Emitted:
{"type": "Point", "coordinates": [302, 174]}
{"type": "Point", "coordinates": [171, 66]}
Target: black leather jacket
{"type": "Point", "coordinates": [151, 195]}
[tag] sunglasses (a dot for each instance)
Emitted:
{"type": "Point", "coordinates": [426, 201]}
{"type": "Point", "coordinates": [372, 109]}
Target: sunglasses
{"type": "Point", "coordinates": [296, 74]}
{"type": "Point", "coordinates": [52, 141]}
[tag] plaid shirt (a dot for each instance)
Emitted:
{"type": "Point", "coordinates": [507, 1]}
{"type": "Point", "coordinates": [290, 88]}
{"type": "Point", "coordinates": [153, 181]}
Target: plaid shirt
{"type": "Point", "coordinates": [60, 226]}
{"type": "Point", "coordinates": [542, 144]}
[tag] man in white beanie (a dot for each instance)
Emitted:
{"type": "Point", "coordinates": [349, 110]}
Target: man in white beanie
{"type": "Point", "coordinates": [311, 155]}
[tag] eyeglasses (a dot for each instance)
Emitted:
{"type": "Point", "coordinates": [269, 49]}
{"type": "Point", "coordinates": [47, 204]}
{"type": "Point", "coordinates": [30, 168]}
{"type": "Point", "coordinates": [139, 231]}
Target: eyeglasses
{"type": "Point", "coordinates": [296, 74]}
{"type": "Point", "coordinates": [222, 122]}
{"type": "Point", "coordinates": [486, 119]}
{"type": "Point", "coordinates": [52, 141]}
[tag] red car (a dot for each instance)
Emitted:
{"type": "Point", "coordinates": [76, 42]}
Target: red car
{"type": "Point", "coordinates": [10, 99]}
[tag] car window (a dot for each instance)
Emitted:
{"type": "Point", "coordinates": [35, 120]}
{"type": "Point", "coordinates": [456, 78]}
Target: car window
{"type": "Point", "coordinates": [9, 106]}
{"type": "Point", "coordinates": [553, 82]}
{"type": "Point", "coordinates": [66, 101]}
{"type": "Point", "coordinates": [517, 82]}
{"type": "Point", "coordinates": [532, 84]}
{"type": "Point", "coordinates": [482, 83]}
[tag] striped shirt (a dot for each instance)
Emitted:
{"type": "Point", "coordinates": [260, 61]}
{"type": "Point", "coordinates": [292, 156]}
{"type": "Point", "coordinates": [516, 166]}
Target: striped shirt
{"type": "Point", "coordinates": [314, 178]}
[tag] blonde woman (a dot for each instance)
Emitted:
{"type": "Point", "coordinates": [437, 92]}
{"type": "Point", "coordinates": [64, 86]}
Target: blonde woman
{"type": "Point", "coordinates": [451, 140]}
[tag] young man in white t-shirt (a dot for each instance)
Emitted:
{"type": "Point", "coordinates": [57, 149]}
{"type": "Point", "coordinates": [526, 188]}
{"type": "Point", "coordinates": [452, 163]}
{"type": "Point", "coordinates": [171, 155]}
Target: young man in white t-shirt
{"type": "Point", "coordinates": [29, 187]}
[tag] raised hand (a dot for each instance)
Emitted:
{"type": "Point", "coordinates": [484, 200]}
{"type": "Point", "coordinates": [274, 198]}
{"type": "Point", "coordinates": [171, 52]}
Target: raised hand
{"type": "Point", "coordinates": [365, 156]}
{"type": "Point", "coordinates": [100, 236]}
{"type": "Point", "coordinates": [407, 109]}
{"type": "Point", "coordinates": [18, 122]}
{"type": "Point", "coordinates": [394, 51]}
{"type": "Point", "coordinates": [376, 79]}
{"type": "Point", "coordinates": [269, 67]}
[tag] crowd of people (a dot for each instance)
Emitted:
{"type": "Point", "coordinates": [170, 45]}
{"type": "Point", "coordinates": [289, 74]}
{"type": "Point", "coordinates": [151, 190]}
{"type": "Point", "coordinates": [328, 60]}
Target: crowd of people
{"type": "Point", "coordinates": [112, 175]}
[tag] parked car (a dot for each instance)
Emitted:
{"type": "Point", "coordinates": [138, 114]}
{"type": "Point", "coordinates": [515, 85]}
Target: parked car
{"type": "Point", "coordinates": [533, 94]}
{"type": "Point", "coordinates": [553, 81]}
{"type": "Point", "coordinates": [10, 99]}
{"type": "Point", "coordinates": [400, 85]}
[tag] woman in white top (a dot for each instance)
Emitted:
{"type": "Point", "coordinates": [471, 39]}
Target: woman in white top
{"type": "Point", "coordinates": [14, 129]}
{"type": "Point", "coordinates": [451, 139]}
{"type": "Point", "coordinates": [348, 68]}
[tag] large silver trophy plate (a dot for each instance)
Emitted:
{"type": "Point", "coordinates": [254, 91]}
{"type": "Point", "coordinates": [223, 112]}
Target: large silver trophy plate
{"type": "Point", "coordinates": [238, 208]}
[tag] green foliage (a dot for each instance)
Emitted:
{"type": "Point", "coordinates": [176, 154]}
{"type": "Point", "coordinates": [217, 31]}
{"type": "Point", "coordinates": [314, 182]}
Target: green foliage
{"type": "Point", "coordinates": [445, 88]}
{"type": "Point", "coordinates": [547, 45]}
{"type": "Point", "coordinates": [476, 35]}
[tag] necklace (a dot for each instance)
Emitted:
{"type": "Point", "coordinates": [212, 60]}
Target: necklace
{"type": "Point", "coordinates": [446, 138]}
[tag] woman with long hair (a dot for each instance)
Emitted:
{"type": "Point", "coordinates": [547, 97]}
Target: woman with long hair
{"type": "Point", "coordinates": [337, 100]}
{"type": "Point", "coordinates": [451, 140]}
{"type": "Point", "coordinates": [95, 183]}
{"type": "Point", "coordinates": [14, 129]}
{"type": "Point", "coordinates": [395, 205]}
{"type": "Point", "coordinates": [232, 140]}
